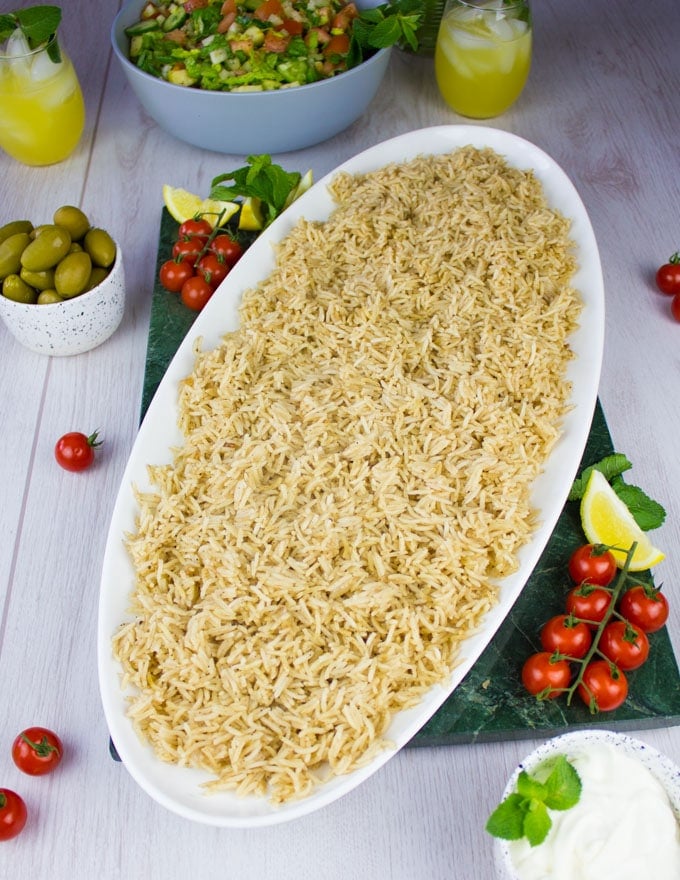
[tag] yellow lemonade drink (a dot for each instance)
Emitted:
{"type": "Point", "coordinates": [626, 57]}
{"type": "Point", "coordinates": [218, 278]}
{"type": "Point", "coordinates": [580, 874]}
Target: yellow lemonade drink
{"type": "Point", "coordinates": [483, 56]}
{"type": "Point", "coordinates": [42, 113]}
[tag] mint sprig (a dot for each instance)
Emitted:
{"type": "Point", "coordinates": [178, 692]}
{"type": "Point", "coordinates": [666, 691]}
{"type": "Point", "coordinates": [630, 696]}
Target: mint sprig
{"type": "Point", "coordinates": [259, 179]}
{"type": "Point", "coordinates": [525, 812]}
{"type": "Point", "coordinates": [648, 514]}
{"type": "Point", "coordinates": [394, 22]}
{"type": "Point", "coordinates": [37, 23]}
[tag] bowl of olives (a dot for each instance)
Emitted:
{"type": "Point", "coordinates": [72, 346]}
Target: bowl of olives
{"type": "Point", "coordinates": [63, 283]}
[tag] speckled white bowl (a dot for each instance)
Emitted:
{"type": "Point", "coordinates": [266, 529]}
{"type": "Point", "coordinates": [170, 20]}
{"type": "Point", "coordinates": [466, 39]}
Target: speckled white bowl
{"type": "Point", "coordinates": [570, 744]}
{"type": "Point", "coordinates": [73, 326]}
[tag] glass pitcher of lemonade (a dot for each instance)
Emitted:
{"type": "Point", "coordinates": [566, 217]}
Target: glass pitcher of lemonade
{"type": "Point", "coordinates": [42, 113]}
{"type": "Point", "coordinates": [483, 55]}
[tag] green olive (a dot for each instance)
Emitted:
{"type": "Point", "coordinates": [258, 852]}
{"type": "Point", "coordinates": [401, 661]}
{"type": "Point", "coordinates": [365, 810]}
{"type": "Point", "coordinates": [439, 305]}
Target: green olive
{"type": "Point", "coordinates": [75, 248]}
{"type": "Point", "coordinates": [73, 219]}
{"type": "Point", "coordinates": [72, 274]}
{"type": "Point", "coordinates": [10, 253]}
{"type": "Point", "coordinates": [47, 297]}
{"type": "Point", "coordinates": [35, 232]}
{"type": "Point", "coordinates": [97, 275]}
{"type": "Point", "coordinates": [13, 287]}
{"type": "Point", "coordinates": [15, 226]}
{"type": "Point", "coordinates": [47, 249]}
{"type": "Point", "coordinates": [100, 246]}
{"type": "Point", "coordinates": [39, 280]}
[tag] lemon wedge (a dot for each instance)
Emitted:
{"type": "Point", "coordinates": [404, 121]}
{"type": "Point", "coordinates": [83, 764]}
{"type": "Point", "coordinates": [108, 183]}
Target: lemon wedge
{"type": "Point", "coordinates": [181, 204]}
{"type": "Point", "coordinates": [305, 183]}
{"type": "Point", "coordinates": [212, 208]}
{"type": "Point", "coordinates": [251, 217]}
{"type": "Point", "coordinates": [607, 520]}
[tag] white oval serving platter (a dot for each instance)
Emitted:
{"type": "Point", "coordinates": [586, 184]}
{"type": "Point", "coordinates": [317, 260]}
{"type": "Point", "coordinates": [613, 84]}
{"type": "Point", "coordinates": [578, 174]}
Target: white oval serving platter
{"type": "Point", "coordinates": [179, 789]}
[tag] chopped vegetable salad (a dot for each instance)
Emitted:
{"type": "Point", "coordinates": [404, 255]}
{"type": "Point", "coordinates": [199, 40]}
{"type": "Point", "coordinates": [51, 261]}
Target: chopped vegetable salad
{"type": "Point", "coordinates": [244, 45]}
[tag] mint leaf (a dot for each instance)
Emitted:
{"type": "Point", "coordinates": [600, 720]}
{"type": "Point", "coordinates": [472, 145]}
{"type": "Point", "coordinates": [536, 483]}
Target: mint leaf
{"type": "Point", "coordinates": [529, 787]}
{"type": "Point", "coordinates": [649, 514]}
{"type": "Point", "coordinates": [611, 466]}
{"type": "Point", "coordinates": [8, 24]}
{"type": "Point", "coordinates": [38, 23]}
{"type": "Point", "coordinates": [537, 823]}
{"type": "Point", "coordinates": [394, 22]}
{"type": "Point", "coordinates": [507, 820]}
{"type": "Point", "coordinates": [563, 785]}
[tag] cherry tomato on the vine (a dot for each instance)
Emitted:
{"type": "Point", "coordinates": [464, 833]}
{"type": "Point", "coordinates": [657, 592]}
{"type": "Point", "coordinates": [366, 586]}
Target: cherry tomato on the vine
{"type": "Point", "coordinates": [542, 672]}
{"type": "Point", "coordinates": [75, 451]}
{"type": "Point", "coordinates": [668, 276]}
{"type": "Point", "coordinates": [187, 249]}
{"type": "Point", "coordinates": [603, 686]}
{"type": "Point", "coordinates": [624, 644]}
{"type": "Point", "coordinates": [13, 814]}
{"type": "Point", "coordinates": [566, 636]}
{"type": "Point", "coordinates": [196, 227]}
{"type": "Point", "coordinates": [645, 607]}
{"type": "Point", "coordinates": [589, 603]}
{"type": "Point", "coordinates": [592, 564]}
{"type": "Point", "coordinates": [196, 292]}
{"type": "Point", "coordinates": [213, 269]}
{"type": "Point", "coordinates": [174, 273]}
{"type": "Point", "coordinates": [37, 751]}
{"type": "Point", "coordinates": [224, 246]}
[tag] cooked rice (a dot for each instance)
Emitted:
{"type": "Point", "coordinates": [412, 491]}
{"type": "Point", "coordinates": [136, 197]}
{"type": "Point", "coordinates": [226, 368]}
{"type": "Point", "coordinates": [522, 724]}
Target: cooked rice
{"type": "Point", "coordinates": [356, 473]}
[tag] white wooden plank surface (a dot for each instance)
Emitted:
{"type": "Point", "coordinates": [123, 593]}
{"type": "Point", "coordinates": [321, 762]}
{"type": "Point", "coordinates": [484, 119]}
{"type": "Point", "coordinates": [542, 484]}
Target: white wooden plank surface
{"type": "Point", "coordinates": [603, 99]}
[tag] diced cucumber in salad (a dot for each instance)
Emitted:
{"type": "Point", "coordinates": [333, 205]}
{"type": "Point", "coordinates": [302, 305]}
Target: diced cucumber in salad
{"type": "Point", "coordinates": [257, 45]}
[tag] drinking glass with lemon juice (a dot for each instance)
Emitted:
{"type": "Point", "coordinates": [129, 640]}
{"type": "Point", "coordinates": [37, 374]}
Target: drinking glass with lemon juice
{"type": "Point", "coordinates": [483, 55]}
{"type": "Point", "coordinates": [41, 103]}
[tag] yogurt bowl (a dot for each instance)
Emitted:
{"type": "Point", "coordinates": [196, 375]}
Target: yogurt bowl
{"type": "Point", "coordinates": [626, 823]}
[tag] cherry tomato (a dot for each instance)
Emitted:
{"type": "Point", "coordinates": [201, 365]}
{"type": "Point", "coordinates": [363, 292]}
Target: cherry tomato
{"type": "Point", "coordinates": [225, 247]}
{"type": "Point", "coordinates": [566, 636]}
{"type": "Point", "coordinates": [645, 607]}
{"type": "Point", "coordinates": [188, 249]}
{"type": "Point", "coordinates": [542, 672]}
{"type": "Point", "coordinates": [592, 564]}
{"type": "Point", "coordinates": [624, 644]}
{"type": "Point", "coordinates": [589, 604]}
{"type": "Point", "coordinates": [675, 306]}
{"type": "Point", "coordinates": [195, 227]}
{"type": "Point", "coordinates": [668, 276]}
{"type": "Point", "coordinates": [604, 686]}
{"type": "Point", "coordinates": [213, 269]}
{"type": "Point", "coordinates": [173, 274]}
{"type": "Point", "coordinates": [196, 292]}
{"type": "Point", "coordinates": [13, 814]}
{"type": "Point", "coordinates": [37, 751]}
{"type": "Point", "coordinates": [75, 451]}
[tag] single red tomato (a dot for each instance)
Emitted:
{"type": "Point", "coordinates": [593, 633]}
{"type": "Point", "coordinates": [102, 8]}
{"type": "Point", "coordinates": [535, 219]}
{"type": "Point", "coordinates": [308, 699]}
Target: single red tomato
{"type": "Point", "coordinates": [37, 751]}
{"type": "Point", "coordinates": [592, 564]}
{"type": "Point", "coordinates": [196, 292]}
{"type": "Point", "coordinates": [624, 644]}
{"type": "Point", "coordinates": [75, 451]}
{"type": "Point", "coordinates": [589, 604]}
{"type": "Point", "coordinates": [13, 814]}
{"type": "Point", "coordinates": [542, 673]}
{"type": "Point", "coordinates": [645, 607]}
{"type": "Point", "coordinates": [174, 273]}
{"type": "Point", "coordinates": [195, 228]}
{"type": "Point", "coordinates": [224, 246]}
{"type": "Point", "coordinates": [566, 636]}
{"type": "Point", "coordinates": [213, 269]}
{"type": "Point", "coordinates": [604, 687]}
{"type": "Point", "coordinates": [675, 306]}
{"type": "Point", "coordinates": [668, 276]}
{"type": "Point", "coordinates": [188, 250]}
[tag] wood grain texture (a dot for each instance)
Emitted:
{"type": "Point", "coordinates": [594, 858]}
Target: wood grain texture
{"type": "Point", "coordinates": [603, 99]}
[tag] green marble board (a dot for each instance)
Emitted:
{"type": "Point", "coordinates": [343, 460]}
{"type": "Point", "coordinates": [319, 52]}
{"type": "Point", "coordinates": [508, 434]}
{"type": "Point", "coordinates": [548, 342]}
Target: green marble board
{"type": "Point", "coordinates": [490, 703]}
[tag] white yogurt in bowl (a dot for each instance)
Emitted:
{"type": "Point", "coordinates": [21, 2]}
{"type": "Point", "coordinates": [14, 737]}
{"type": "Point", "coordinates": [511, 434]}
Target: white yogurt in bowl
{"type": "Point", "coordinates": [625, 826]}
